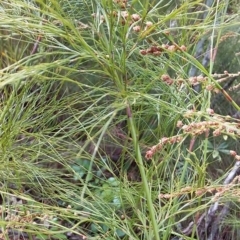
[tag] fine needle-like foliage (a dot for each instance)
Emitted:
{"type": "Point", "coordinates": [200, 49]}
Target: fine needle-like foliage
{"type": "Point", "coordinates": [107, 126]}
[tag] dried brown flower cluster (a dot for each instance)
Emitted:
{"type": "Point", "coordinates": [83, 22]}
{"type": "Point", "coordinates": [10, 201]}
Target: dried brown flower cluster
{"type": "Point", "coordinates": [125, 18]}
{"type": "Point", "coordinates": [217, 124]}
{"type": "Point", "coordinates": [230, 34]}
{"type": "Point", "coordinates": [163, 142]}
{"type": "Point", "coordinates": [217, 191]}
{"type": "Point", "coordinates": [158, 50]}
{"type": "Point", "coordinates": [196, 80]}
{"type": "Point", "coordinates": [121, 3]}
{"type": "Point", "coordinates": [189, 189]}
{"type": "Point", "coordinates": [122, 14]}
{"type": "Point", "coordinates": [147, 26]}
{"type": "Point", "coordinates": [167, 79]}
{"type": "Point", "coordinates": [192, 80]}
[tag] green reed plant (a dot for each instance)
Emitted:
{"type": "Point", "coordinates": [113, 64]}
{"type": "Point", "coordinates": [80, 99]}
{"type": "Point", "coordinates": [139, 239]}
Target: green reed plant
{"type": "Point", "coordinates": [88, 88]}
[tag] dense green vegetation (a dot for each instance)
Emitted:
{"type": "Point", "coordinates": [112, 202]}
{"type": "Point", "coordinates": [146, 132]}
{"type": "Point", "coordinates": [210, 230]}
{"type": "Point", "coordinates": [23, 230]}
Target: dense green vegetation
{"type": "Point", "coordinates": [119, 119]}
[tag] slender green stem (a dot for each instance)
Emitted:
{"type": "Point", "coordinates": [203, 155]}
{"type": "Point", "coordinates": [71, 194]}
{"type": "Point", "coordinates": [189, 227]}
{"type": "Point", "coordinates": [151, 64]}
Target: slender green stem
{"type": "Point", "coordinates": [142, 172]}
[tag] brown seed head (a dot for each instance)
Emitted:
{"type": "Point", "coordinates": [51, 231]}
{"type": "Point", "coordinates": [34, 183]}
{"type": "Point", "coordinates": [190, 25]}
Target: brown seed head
{"type": "Point", "coordinates": [149, 24]}
{"type": "Point", "coordinates": [155, 48]}
{"type": "Point", "coordinates": [165, 77]}
{"type": "Point", "coordinates": [186, 189]}
{"type": "Point", "coordinates": [200, 78]}
{"type": "Point", "coordinates": [200, 192]}
{"type": "Point", "coordinates": [124, 14]}
{"type": "Point", "coordinates": [179, 139]}
{"type": "Point", "coordinates": [135, 17]}
{"type": "Point", "coordinates": [189, 113]}
{"type": "Point", "coordinates": [164, 140]}
{"type": "Point", "coordinates": [183, 48]}
{"type": "Point", "coordinates": [149, 155]}
{"type": "Point", "coordinates": [114, 14]}
{"type": "Point", "coordinates": [210, 87]}
{"type": "Point", "coordinates": [210, 111]}
{"type": "Point", "coordinates": [149, 50]}
{"type": "Point", "coordinates": [123, 5]}
{"type": "Point", "coordinates": [143, 52]}
{"type": "Point", "coordinates": [165, 46]}
{"type": "Point", "coordinates": [136, 28]}
{"type": "Point", "coordinates": [217, 132]}
{"type": "Point", "coordinates": [186, 128]}
{"type": "Point", "coordinates": [172, 48]}
{"type": "Point", "coordinates": [173, 140]}
{"type": "Point", "coordinates": [193, 80]}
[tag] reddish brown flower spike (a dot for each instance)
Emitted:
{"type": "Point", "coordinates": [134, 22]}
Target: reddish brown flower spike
{"type": "Point", "coordinates": [148, 154]}
{"type": "Point", "coordinates": [143, 52]}
{"type": "Point", "coordinates": [149, 50]}
{"type": "Point", "coordinates": [210, 111]}
{"type": "Point", "coordinates": [165, 77]}
{"type": "Point", "coordinates": [217, 132]}
{"type": "Point", "coordinates": [136, 28]}
{"type": "Point", "coordinates": [135, 17]}
{"type": "Point", "coordinates": [164, 140]}
{"type": "Point", "coordinates": [210, 87]}
{"type": "Point", "coordinates": [154, 49]}
{"type": "Point", "coordinates": [124, 14]}
{"type": "Point", "coordinates": [149, 24]}
{"type": "Point", "coordinates": [183, 48]}
{"type": "Point", "coordinates": [165, 46]}
{"type": "Point", "coordinates": [172, 48]}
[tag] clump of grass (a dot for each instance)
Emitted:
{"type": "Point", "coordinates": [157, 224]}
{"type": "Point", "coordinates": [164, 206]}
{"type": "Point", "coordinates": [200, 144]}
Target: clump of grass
{"type": "Point", "coordinates": [86, 88]}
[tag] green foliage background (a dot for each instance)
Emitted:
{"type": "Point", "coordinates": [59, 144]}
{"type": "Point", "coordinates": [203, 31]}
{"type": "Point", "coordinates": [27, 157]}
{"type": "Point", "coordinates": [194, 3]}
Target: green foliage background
{"type": "Point", "coordinates": [72, 160]}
